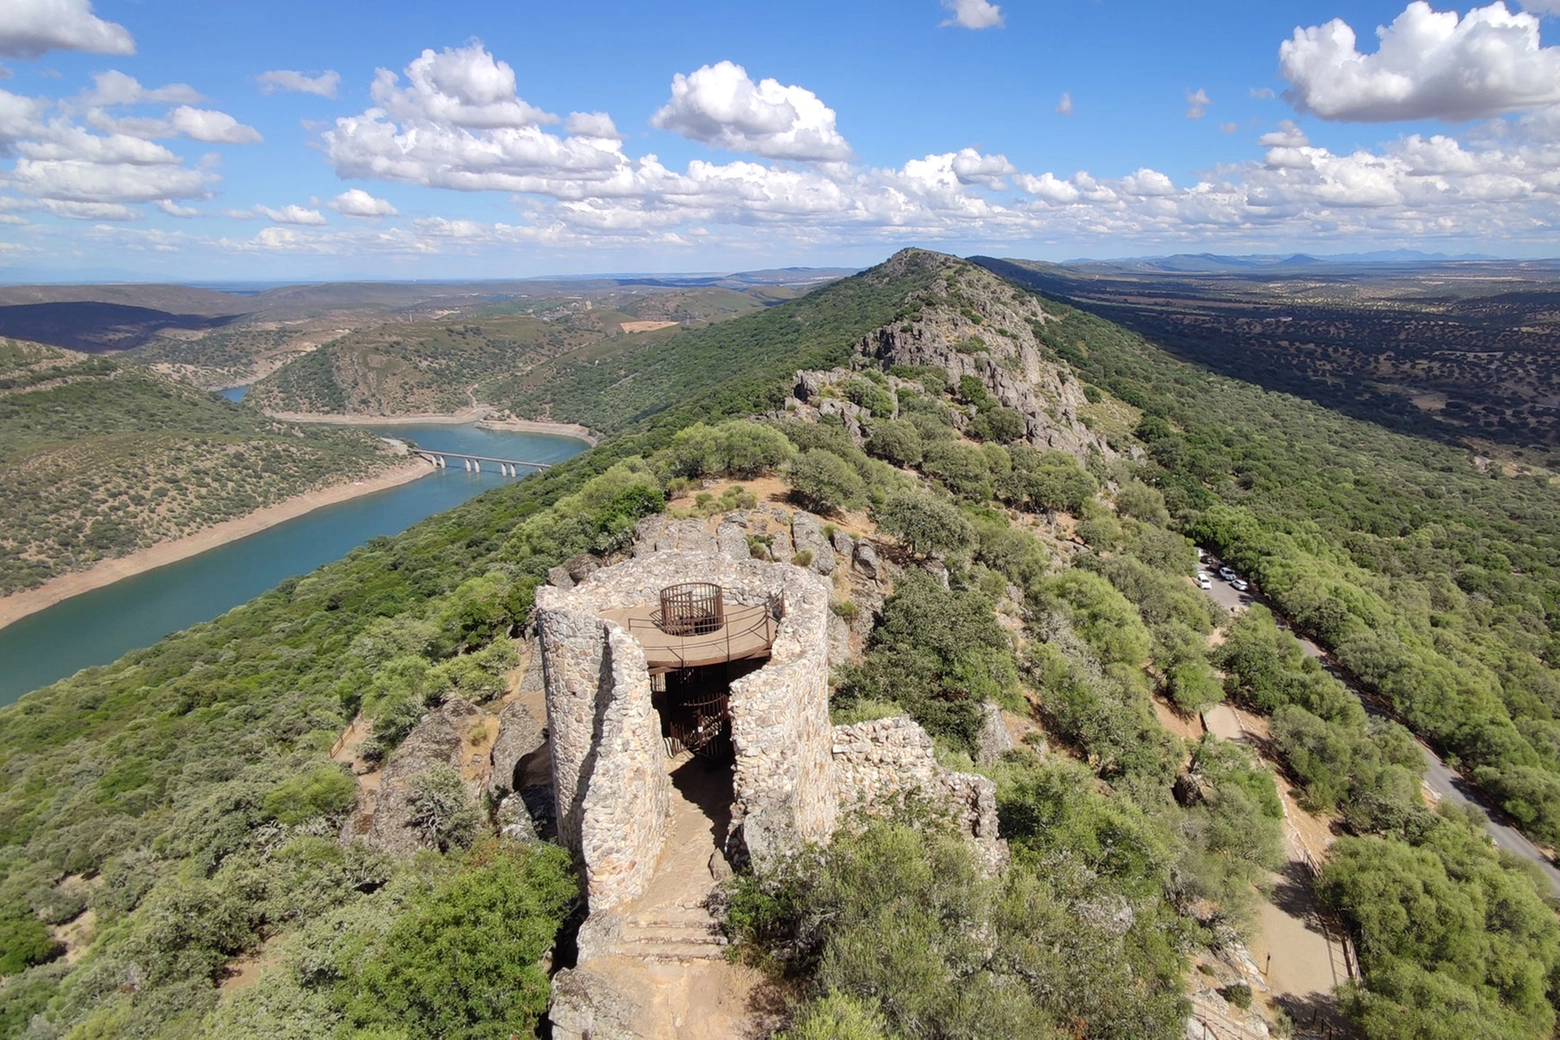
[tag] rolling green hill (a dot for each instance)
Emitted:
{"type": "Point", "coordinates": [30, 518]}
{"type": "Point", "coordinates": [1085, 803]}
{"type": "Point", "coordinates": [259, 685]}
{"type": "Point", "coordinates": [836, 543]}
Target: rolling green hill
{"type": "Point", "coordinates": [100, 458]}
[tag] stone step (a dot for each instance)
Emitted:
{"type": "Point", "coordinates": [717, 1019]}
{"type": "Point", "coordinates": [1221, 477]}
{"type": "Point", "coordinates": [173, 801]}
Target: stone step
{"type": "Point", "coordinates": [671, 951]}
{"type": "Point", "coordinates": [673, 934]}
{"type": "Point", "coordinates": [670, 919]}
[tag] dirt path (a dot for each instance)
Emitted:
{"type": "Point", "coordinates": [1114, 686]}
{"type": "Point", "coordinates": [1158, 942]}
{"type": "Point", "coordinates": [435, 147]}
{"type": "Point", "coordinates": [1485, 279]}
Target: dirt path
{"type": "Point", "coordinates": [669, 960]}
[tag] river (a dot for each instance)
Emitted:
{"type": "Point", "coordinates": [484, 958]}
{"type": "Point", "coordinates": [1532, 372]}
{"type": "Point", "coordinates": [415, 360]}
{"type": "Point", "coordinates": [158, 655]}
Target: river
{"type": "Point", "coordinates": [100, 626]}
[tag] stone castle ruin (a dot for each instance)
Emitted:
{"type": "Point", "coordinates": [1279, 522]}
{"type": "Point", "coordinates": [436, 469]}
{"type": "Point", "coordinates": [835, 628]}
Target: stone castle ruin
{"type": "Point", "coordinates": [692, 651]}
{"type": "Point", "coordinates": [687, 700]}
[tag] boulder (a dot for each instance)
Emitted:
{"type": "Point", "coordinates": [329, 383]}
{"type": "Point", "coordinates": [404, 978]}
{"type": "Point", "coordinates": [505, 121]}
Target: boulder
{"type": "Point", "coordinates": [994, 739]}
{"type": "Point", "coordinates": [433, 741]}
{"type": "Point", "coordinates": [589, 1005]}
{"type": "Point", "coordinates": [519, 734]}
{"type": "Point", "coordinates": [866, 560]}
{"type": "Point", "coordinates": [732, 540]}
{"type": "Point", "coordinates": [807, 534]}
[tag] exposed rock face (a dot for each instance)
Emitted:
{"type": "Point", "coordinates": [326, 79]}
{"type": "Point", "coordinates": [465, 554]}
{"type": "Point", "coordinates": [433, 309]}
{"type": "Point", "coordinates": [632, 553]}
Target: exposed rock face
{"type": "Point", "coordinates": [1001, 349]}
{"type": "Point", "coordinates": [970, 323]}
{"type": "Point", "coordinates": [807, 535]}
{"type": "Point", "coordinates": [882, 762]}
{"type": "Point", "coordinates": [434, 741]}
{"type": "Point", "coordinates": [519, 734]}
{"type": "Point", "coordinates": [731, 539]}
{"type": "Point", "coordinates": [588, 1005]}
{"type": "Point", "coordinates": [994, 739]}
{"type": "Point", "coordinates": [866, 559]}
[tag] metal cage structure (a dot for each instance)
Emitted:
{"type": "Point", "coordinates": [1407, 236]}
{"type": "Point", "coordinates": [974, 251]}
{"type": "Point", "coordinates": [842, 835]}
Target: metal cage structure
{"type": "Point", "coordinates": [694, 608]}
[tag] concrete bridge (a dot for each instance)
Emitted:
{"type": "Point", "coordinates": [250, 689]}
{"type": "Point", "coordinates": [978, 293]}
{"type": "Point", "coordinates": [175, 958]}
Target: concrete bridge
{"type": "Point", "coordinates": [473, 463]}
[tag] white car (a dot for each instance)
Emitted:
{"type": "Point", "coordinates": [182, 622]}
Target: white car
{"type": "Point", "coordinates": [1239, 584]}
{"type": "Point", "coordinates": [1226, 574]}
{"type": "Point", "coordinates": [1204, 581]}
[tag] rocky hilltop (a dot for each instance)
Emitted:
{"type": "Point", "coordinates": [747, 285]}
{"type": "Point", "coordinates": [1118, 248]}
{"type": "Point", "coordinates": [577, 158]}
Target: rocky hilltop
{"type": "Point", "coordinates": [967, 322]}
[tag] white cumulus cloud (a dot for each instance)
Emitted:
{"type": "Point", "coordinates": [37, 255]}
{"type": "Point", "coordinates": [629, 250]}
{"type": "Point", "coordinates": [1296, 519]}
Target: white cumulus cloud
{"type": "Point", "coordinates": [1428, 65]}
{"type": "Point", "coordinates": [973, 14]}
{"type": "Point", "coordinates": [1197, 103]}
{"type": "Point", "coordinates": [31, 28]}
{"type": "Point", "coordinates": [592, 124]}
{"type": "Point", "coordinates": [1064, 107]}
{"type": "Point", "coordinates": [204, 124]}
{"type": "Point", "coordinates": [355, 202]}
{"type": "Point", "coordinates": [458, 86]}
{"type": "Point", "coordinates": [292, 214]}
{"type": "Point", "coordinates": [116, 88]}
{"type": "Point", "coordinates": [722, 106]}
{"type": "Point", "coordinates": [325, 84]}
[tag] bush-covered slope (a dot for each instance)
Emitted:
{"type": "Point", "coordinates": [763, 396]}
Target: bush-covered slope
{"type": "Point", "coordinates": [165, 779]}
{"type": "Point", "coordinates": [1433, 576]}
{"type": "Point", "coordinates": [425, 366]}
{"type": "Point", "coordinates": [100, 458]}
{"type": "Point", "coordinates": [184, 796]}
{"type": "Point", "coordinates": [746, 362]}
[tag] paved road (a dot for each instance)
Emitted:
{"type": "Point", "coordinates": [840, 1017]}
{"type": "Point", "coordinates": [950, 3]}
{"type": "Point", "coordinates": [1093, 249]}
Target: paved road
{"type": "Point", "coordinates": [1441, 780]}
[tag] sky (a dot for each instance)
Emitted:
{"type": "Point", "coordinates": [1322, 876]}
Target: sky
{"type": "Point", "coordinates": [212, 140]}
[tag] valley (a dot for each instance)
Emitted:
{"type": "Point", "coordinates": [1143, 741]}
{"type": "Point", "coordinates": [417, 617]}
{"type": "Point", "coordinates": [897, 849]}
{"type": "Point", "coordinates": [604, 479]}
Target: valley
{"type": "Point", "coordinates": [998, 494]}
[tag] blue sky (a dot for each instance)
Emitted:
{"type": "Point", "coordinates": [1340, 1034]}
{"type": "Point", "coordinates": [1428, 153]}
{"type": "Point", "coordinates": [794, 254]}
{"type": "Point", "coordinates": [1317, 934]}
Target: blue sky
{"type": "Point", "coordinates": [206, 141]}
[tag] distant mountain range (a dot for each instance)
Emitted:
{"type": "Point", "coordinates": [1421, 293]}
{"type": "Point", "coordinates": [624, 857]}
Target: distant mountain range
{"type": "Point", "coordinates": [1192, 263]}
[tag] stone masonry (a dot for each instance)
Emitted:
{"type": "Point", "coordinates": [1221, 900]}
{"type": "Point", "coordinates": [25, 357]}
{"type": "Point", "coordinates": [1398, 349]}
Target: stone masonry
{"type": "Point", "coordinates": [609, 767]}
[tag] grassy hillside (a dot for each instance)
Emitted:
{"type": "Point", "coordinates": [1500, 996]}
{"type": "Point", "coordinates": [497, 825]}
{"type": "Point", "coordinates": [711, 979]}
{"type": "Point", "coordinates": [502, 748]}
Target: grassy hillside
{"type": "Point", "coordinates": [100, 458]}
{"type": "Point", "coordinates": [750, 358]}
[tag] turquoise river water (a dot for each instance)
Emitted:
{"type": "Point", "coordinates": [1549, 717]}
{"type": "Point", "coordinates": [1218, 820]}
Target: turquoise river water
{"type": "Point", "coordinates": [98, 627]}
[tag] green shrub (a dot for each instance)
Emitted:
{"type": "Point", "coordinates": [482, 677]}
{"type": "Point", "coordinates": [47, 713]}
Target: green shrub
{"type": "Point", "coordinates": [25, 941]}
{"type": "Point", "coordinates": [896, 441]}
{"type": "Point", "coordinates": [962, 468]}
{"type": "Point", "coordinates": [837, 1017]}
{"type": "Point", "coordinates": [442, 810]}
{"type": "Point", "coordinates": [877, 399]}
{"type": "Point", "coordinates": [824, 482]}
{"type": "Point", "coordinates": [924, 523]}
{"type": "Point", "coordinates": [464, 962]}
{"type": "Point", "coordinates": [326, 791]}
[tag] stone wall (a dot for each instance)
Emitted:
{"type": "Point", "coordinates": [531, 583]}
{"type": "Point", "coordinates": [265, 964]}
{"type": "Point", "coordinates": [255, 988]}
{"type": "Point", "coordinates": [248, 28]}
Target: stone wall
{"type": "Point", "coordinates": [608, 763]}
{"type": "Point", "coordinates": [884, 762]}
{"type": "Point", "coordinates": [786, 793]}
{"type": "Point", "coordinates": [625, 835]}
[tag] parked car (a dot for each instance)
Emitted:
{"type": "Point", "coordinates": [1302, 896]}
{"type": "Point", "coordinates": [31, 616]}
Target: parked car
{"type": "Point", "coordinates": [1239, 584]}
{"type": "Point", "coordinates": [1226, 574]}
{"type": "Point", "coordinates": [1204, 581]}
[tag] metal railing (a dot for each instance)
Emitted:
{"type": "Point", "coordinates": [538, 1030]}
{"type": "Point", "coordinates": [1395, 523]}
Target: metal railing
{"type": "Point", "coordinates": [741, 624]}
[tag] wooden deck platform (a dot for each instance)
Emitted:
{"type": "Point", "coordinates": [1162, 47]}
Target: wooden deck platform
{"type": "Point", "coordinates": [749, 632]}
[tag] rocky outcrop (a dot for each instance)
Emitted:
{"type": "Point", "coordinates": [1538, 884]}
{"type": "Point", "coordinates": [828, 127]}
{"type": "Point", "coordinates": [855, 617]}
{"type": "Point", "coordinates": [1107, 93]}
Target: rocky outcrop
{"type": "Point", "coordinates": [994, 740]}
{"type": "Point", "coordinates": [519, 735]}
{"type": "Point", "coordinates": [880, 764]}
{"type": "Point", "coordinates": [434, 741]}
{"type": "Point", "coordinates": [968, 322]}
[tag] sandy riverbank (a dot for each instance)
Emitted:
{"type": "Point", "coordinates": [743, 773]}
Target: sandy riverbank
{"type": "Point", "coordinates": [106, 572]}
{"type": "Point", "coordinates": [477, 416]}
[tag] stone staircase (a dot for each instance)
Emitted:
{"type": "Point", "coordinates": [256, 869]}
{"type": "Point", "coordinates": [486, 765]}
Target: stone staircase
{"type": "Point", "coordinates": [676, 934]}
